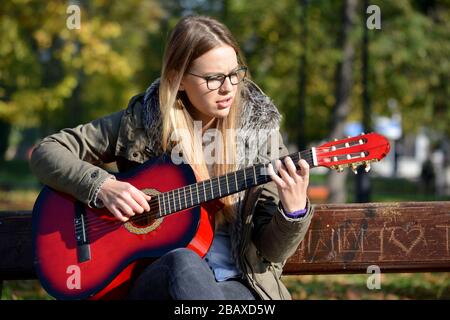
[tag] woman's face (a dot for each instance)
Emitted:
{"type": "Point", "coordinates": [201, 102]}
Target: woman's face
{"type": "Point", "coordinates": [209, 104]}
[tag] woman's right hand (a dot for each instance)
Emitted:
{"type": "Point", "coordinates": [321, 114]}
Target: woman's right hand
{"type": "Point", "coordinates": [122, 199]}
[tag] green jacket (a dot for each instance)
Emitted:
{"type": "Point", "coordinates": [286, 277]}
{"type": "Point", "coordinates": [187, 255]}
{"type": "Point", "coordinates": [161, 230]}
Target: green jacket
{"type": "Point", "coordinates": [69, 161]}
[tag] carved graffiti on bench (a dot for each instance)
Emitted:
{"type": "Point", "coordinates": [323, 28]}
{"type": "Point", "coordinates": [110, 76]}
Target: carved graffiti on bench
{"type": "Point", "coordinates": [380, 234]}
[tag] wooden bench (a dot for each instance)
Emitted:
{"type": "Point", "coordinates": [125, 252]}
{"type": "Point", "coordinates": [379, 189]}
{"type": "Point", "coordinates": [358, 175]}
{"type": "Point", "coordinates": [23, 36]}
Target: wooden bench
{"type": "Point", "coordinates": [343, 238]}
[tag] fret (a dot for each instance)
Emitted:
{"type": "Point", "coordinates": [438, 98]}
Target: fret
{"type": "Point", "coordinates": [204, 190]}
{"type": "Point", "coordinates": [218, 182]}
{"type": "Point", "coordinates": [163, 207]}
{"type": "Point", "coordinates": [254, 175]}
{"type": "Point", "coordinates": [198, 197]}
{"type": "Point", "coordinates": [233, 184]}
{"type": "Point", "coordinates": [236, 181]}
{"type": "Point", "coordinates": [179, 198]}
{"type": "Point", "coordinates": [190, 194]}
{"type": "Point", "coordinates": [261, 176]}
{"type": "Point", "coordinates": [174, 202]}
{"type": "Point", "coordinates": [212, 191]}
{"type": "Point", "coordinates": [266, 172]}
{"type": "Point", "coordinates": [185, 200]}
{"type": "Point", "coordinates": [222, 181]}
{"type": "Point", "coordinates": [168, 201]}
{"type": "Point", "coordinates": [228, 187]}
{"type": "Point", "coordinates": [159, 204]}
{"type": "Point", "coordinates": [230, 179]}
{"type": "Point", "coordinates": [245, 178]}
{"type": "Point", "coordinates": [241, 178]}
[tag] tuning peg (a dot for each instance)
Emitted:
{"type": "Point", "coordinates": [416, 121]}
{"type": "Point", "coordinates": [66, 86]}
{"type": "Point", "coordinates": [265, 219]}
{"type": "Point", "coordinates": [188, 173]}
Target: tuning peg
{"type": "Point", "coordinates": [362, 133]}
{"type": "Point", "coordinates": [355, 169]}
{"type": "Point", "coordinates": [335, 139]}
{"type": "Point", "coordinates": [340, 168]}
{"type": "Point", "coordinates": [367, 167]}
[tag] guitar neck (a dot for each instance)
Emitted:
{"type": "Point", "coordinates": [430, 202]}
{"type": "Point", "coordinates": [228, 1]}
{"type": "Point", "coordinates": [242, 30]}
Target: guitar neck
{"type": "Point", "coordinates": [218, 187]}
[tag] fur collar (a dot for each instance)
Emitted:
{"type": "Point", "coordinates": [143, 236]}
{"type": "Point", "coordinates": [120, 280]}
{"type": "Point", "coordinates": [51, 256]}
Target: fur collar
{"type": "Point", "coordinates": [258, 114]}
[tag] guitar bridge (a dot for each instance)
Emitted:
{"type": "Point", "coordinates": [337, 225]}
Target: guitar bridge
{"type": "Point", "coordinates": [83, 247]}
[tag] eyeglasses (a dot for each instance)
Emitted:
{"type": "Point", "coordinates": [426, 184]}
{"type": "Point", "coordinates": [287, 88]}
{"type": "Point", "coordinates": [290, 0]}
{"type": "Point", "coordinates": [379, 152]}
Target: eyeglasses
{"type": "Point", "coordinates": [214, 82]}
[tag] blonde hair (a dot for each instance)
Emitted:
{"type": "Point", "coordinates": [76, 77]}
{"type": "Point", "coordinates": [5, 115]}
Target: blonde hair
{"type": "Point", "coordinates": [192, 37]}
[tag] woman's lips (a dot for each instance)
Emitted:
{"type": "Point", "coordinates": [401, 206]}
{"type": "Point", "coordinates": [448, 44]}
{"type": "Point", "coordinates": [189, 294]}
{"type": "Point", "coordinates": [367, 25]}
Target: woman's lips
{"type": "Point", "coordinates": [225, 103]}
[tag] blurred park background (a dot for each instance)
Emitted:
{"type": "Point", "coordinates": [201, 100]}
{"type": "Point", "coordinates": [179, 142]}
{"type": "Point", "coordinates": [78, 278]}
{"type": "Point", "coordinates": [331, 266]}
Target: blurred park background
{"type": "Point", "coordinates": [333, 68]}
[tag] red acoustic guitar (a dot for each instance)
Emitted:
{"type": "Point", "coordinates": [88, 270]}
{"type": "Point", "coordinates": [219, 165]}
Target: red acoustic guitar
{"type": "Point", "coordinates": [81, 253]}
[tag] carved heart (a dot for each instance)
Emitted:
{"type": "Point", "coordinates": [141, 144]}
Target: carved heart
{"type": "Point", "coordinates": [415, 240]}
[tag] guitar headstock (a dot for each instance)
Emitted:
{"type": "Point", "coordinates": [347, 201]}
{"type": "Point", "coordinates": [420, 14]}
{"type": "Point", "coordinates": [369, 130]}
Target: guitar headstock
{"type": "Point", "coordinates": [352, 152]}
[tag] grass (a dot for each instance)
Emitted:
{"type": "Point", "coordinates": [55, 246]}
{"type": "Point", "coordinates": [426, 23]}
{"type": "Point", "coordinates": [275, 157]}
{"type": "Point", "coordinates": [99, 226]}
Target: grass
{"type": "Point", "coordinates": [398, 286]}
{"type": "Point", "coordinates": [19, 189]}
{"type": "Point", "coordinates": [24, 290]}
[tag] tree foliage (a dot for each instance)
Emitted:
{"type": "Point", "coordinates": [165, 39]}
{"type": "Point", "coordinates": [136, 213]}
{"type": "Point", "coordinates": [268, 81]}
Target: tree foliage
{"type": "Point", "coordinates": [51, 76]}
{"type": "Point", "coordinates": [51, 73]}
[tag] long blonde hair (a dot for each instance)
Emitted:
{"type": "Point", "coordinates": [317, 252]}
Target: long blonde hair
{"type": "Point", "coordinates": [192, 37]}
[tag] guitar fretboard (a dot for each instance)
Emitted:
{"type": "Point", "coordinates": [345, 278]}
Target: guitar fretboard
{"type": "Point", "coordinates": [218, 187]}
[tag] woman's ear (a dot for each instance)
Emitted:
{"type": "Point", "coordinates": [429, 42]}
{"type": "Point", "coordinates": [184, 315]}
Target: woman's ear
{"type": "Point", "coordinates": [181, 87]}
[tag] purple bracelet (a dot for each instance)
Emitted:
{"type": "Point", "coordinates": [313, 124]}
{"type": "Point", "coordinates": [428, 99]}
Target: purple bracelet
{"type": "Point", "coordinates": [295, 214]}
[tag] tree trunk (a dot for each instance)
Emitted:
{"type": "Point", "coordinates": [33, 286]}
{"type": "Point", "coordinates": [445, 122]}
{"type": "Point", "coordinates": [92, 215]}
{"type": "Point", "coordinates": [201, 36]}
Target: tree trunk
{"type": "Point", "coordinates": [5, 129]}
{"type": "Point", "coordinates": [301, 134]}
{"type": "Point", "coordinates": [336, 181]}
{"type": "Point", "coordinates": [363, 184]}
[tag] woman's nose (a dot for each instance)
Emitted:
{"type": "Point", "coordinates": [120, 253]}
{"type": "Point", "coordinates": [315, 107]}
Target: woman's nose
{"type": "Point", "coordinates": [226, 86]}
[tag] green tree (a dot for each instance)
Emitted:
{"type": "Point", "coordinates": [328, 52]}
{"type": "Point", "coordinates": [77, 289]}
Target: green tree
{"type": "Point", "coordinates": [54, 77]}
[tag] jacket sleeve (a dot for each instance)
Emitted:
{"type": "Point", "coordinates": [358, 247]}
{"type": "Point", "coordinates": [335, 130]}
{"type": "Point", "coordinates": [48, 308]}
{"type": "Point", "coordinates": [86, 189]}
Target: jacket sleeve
{"type": "Point", "coordinates": [68, 160]}
{"type": "Point", "coordinates": [276, 236]}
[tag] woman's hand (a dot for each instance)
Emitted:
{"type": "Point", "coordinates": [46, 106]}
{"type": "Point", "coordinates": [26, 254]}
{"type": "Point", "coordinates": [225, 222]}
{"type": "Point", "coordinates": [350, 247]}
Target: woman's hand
{"type": "Point", "coordinates": [122, 199]}
{"type": "Point", "coordinates": [292, 185]}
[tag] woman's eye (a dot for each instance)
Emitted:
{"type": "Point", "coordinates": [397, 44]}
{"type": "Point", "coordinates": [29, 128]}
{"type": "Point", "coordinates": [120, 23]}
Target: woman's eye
{"type": "Point", "coordinates": [216, 78]}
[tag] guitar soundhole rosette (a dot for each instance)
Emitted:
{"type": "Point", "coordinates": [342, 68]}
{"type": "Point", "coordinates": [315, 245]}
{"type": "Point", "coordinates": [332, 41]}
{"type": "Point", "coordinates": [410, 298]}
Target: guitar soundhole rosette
{"type": "Point", "coordinates": [146, 224]}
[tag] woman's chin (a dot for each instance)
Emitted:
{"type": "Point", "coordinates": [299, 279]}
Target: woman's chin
{"type": "Point", "coordinates": [222, 113]}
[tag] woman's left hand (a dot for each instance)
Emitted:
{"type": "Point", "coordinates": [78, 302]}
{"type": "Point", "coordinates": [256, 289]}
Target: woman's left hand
{"type": "Point", "coordinates": [292, 185]}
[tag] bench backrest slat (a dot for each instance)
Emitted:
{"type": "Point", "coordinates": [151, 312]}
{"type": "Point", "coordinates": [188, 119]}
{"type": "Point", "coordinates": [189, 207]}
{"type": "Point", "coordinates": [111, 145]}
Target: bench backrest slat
{"type": "Point", "coordinates": [344, 238]}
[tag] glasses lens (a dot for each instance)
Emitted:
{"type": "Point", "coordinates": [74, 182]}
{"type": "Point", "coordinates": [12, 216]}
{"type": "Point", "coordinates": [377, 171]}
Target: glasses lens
{"type": "Point", "coordinates": [238, 76]}
{"type": "Point", "coordinates": [215, 82]}
{"type": "Point", "coordinates": [235, 77]}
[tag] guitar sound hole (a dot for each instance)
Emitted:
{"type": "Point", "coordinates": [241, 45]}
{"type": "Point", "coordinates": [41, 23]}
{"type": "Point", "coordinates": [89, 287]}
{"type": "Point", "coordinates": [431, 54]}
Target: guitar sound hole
{"type": "Point", "coordinates": [142, 220]}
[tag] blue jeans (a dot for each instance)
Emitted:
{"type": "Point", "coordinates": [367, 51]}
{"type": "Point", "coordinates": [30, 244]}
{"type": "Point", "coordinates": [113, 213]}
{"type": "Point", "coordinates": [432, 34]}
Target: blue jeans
{"type": "Point", "coordinates": [182, 275]}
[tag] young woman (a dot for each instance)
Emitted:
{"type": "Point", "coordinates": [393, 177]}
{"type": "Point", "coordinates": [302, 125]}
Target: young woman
{"type": "Point", "coordinates": [203, 87]}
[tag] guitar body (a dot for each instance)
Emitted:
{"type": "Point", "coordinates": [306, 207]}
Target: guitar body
{"type": "Point", "coordinates": [113, 252]}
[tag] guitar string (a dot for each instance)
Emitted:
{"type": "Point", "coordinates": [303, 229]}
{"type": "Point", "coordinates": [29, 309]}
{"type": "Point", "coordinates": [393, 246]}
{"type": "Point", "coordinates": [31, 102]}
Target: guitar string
{"type": "Point", "coordinates": [175, 198]}
{"type": "Point", "coordinates": [240, 179]}
{"type": "Point", "coordinates": [154, 214]}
